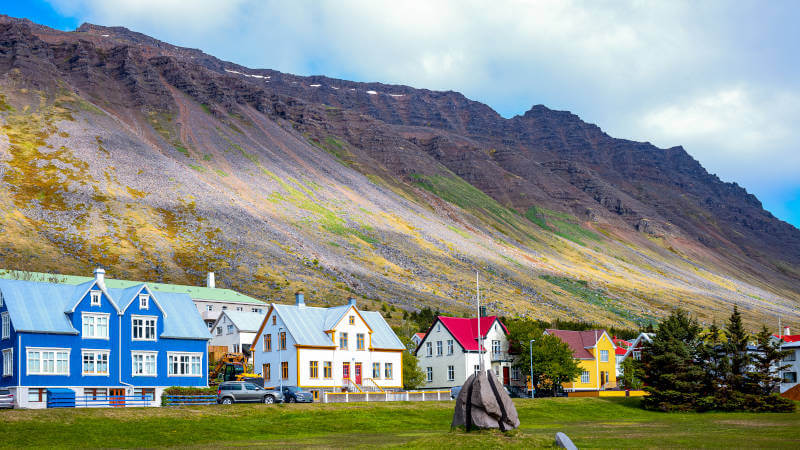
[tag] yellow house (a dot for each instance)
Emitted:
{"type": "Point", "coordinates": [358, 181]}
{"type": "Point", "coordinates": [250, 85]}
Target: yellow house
{"type": "Point", "coordinates": [595, 352]}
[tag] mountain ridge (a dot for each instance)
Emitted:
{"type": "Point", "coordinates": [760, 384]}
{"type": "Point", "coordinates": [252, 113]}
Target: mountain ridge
{"type": "Point", "coordinates": [537, 195]}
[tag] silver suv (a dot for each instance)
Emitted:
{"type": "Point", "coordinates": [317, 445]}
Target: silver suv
{"type": "Point", "coordinates": [245, 392]}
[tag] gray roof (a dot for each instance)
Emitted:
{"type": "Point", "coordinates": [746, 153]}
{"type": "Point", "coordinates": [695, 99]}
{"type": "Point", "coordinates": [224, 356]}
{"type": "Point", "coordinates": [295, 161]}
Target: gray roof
{"type": "Point", "coordinates": [245, 321]}
{"type": "Point", "coordinates": [40, 307]}
{"type": "Point", "coordinates": [307, 325]}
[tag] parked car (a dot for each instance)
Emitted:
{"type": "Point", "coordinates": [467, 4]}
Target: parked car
{"type": "Point", "coordinates": [6, 399]}
{"type": "Point", "coordinates": [518, 392]}
{"type": "Point", "coordinates": [245, 392]}
{"type": "Point", "coordinates": [454, 392]}
{"type": "Point", "coordinates": [292, 394]}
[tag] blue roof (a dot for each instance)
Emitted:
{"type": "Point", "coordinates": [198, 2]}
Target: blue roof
{"type": "Point", "coordinates": [307, 325]}
{"type": "Point", "coordinates": [246, 321]}
{"type": "Point", "coordinates": [40, 307]}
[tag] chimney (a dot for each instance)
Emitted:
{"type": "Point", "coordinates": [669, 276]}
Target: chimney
{"type": "Point", "coordinates": [351, 301]}
{"type": "Point", "coordinates": [299, 300]}
{"type": "Point", "coordinates": [100, 277]}
{"type": "Point", "coordinates": [786, 331]}
{"type": "Point", "coordinates": [210, 280]}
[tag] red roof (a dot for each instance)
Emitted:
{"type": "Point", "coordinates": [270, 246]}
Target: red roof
{"type": "Point", "coordinates": [621, 342]}
{"type": "Point", "coordinates": [578, 341]}
{"type": "Point", "coordinates": [466, 330]}
{"type": "Point", "coordinates": [789, 337]}
{"type": "Point", "coordinates": [420, 335]}
{"type": "Point", "coordinates": [620, 351]}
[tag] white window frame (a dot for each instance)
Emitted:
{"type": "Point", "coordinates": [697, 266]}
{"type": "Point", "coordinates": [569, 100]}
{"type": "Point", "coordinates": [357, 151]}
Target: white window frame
{"type": "Point", "coordinates": [429, 348]}
{"type": "Point", "coordinates": [41, 350]}
{"type": "Point", "coordinates": [451, 373]}
{"type": "Point", "coordinates": [190, 355]}
{"type": "Point", "coordinates": [429, 374]}
{"type": "Point", "coordinates": [95, 354]}
{"type": "Point", "coordinates": [95, 298]}
{"type": "Point", "coordinates": [439, 348]}
{"type": "Point", "coordinates": [449, 346]}
{"type": "Point", "coordinates": [496, 347]}
{"type": "Point", "coordinates": [95, 316]}
{"type": "Point", "coordinates": [376, 370]}
{"type": "Point", "coordinates": [144, 355]}
{"type": "Point", "coordinates": [6, 325]}
{"type": "Point", "coordinates": [603, 355]}
{"type": "Point", "coordinates": [144, 320]}
{"type": "Point", "coordinates": [209, 307]}
{"type": "Point", "coordinates": [8, 362]}
{"type": "Point", "coordinates": [477, 368]}
{"type": "Point", "coordinates": [586, 377]}
{"type": "Point", "coordinates": [144, 301]}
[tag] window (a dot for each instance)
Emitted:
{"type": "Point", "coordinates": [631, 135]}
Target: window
{"type": "Point", "coordinates": [497, 371]}
{"type": "Point", "coordinates": [343, 341]}
{"type": "Point", "coordinates": [8, 362]}
{"type": "Point", "coordinates": [209, 307]}
{"type": "Point", "coordinates": [224, 308]}
{"type": "Point", "coordinates": [360, 341]}
{"type": "Point", "coordinates": [210, 325]}
{"type": "Point", "coordinates": [230, 329]}
{"type": "Point", "coordinates": [283, 340]}
{"type": "Point", "coordinates": [235, 348]}
{"type": "Point", "coordinates": [1, 300]}
{"type": "Point", "coordinates": [637, 354]}
{"type": "Point", "coordinates": [257, 310]}
{"type": "Point", "coordinates": [791, 356]}
{"type": "Point", "coordinates": [438, 328]}
{"type": "Point", "coordinates": [585, 376]}
{"type": "Point", "coordinates": [429, 348]}
{"type": "Point", "coordinates": [496, 347]}
{"type": "Point", "coordinates": [144, 364]}
{"type": "Point", "coordinates": [387, 371]}
{"type": "Point", "coordinates": [477, 368]}
{"type": "Point", "coordinates": [268, 342]}
{"type": "Point", "coordinates": [48, 361]}
{"type": "Point", "coordinates": [6, 325]}
{"type": "Point", "coordinates": [790, 377]}
{"type": "Point", "coordinates": [515, 373]}
{"type": "Point", "coordinates": [313, 369]}
{"type": "Point", "coordinates": [144, 301]}
{"type": "Point", "coordinates": [449, 346]}
{"type": "Point", "coordinates": [451, 373]}
{"type": "Point", "coordinates": [327, 371]}
{"type": "Point", "coordinates": [184, 364]}
{"type": "Point", "coordinates": [143, 328]}
{"type": "Point", "coordinates": [352, 320]}
{"type": "Point", "coordinates": [95, 298]}
{"type": "Point", "coordinates": [274, 319]}
{"type": "Point", "coordinates": [148, 394]}
{"type": "Point", "coordinates": [439, 348]}
{"type": "Point", "coordinates": [239, 308]}
{"type": "Point", "coordinates": [376, 370]}
{"type": "Point", "coordinates": [285, 370]}
{"type": "Point", "coordinates": [95, 326]}
{"type": "Point", "coordinates": [219, 331]}
{"type": "Point", "coordinates": [95, 393]}
{"type": "Point", "coordinates": [603, 355]}
{"type": "Point", "coordinates": [429, 374]}
{"type": "Point", "coordinates": [37, 395]}
{"type": "Point", "coordinates": [266, 372]}
{"type": "Point", "coordinates": [95, 362]}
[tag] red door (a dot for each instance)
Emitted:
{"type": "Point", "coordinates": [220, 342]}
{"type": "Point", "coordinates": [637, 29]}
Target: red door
{"type": "Point", "coordinates": [358, 373]}
{"type": "Point", "coordinates": [346, 371]}
{"type": "Point", "coordinates": [506, 380]}
{"type": "Point", "coordinates": [117, 398]}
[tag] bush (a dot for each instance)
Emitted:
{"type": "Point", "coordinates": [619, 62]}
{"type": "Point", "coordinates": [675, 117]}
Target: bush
{"type": "Point", "coordinates": [179, 390]}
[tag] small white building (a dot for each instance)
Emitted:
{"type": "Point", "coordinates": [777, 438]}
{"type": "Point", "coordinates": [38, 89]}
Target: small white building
{"type": "Point", "coordinates": [790, 342]}
{"type": "Point", "coordinates": [327, 349]}
{"type": "Point", "coordinates": [415, 341]}
{"type": "Point", "coordinates": [236, 330]}
{"type": "Point", "coordinates": [449, 353]}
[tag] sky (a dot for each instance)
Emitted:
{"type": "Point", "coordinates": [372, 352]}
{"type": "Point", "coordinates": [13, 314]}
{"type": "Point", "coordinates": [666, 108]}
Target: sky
{"type": "Point", "coordinates": [720, 78]}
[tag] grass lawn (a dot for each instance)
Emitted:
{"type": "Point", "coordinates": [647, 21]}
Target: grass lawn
{"type": "Point", "coordinates": [590, 422]}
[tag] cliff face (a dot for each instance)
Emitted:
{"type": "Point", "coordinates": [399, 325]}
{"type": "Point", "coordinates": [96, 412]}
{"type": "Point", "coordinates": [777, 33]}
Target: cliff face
{"type": "Point", "coordinates": [149, 158]}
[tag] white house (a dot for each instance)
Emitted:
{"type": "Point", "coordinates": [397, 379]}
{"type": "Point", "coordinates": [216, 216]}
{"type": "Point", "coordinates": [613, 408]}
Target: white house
{"type": "Point", "coordinates": [415, 340]}
{"type": "Point", "coordinates": [236, 330]}
{"type": "Point", "coordinates": [449, 353]}
{"type": "Point", "coordinates": [791, 342]}
{"type": "Point", "coordinates": [327, 349]}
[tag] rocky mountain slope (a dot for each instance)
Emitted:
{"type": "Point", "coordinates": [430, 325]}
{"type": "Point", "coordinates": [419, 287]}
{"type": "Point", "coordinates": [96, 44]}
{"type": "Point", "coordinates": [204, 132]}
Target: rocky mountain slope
{"type": "Point", "coordinates": [161, 162]}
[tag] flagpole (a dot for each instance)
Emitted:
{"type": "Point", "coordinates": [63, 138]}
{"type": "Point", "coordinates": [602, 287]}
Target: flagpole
{"type": "Point", "coordinates": [480, 336]}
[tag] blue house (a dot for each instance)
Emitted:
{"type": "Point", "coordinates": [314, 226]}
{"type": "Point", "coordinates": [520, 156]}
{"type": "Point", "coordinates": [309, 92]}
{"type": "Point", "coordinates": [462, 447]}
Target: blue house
{"type": "Point", "coordinates": [98, 342]}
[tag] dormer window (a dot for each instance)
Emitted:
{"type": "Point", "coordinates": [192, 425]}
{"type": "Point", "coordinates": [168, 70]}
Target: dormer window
{"type": "Point", "coordinates": [144, 301]}
{"type": "Point", "coordinates": [352, 320]}
{"type": "Point", "coordinates": [95, 296]}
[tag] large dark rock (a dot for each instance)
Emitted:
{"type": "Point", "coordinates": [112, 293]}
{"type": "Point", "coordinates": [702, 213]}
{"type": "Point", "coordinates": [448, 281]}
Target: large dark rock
{"type": "Point", "coordinates": [483, 403]}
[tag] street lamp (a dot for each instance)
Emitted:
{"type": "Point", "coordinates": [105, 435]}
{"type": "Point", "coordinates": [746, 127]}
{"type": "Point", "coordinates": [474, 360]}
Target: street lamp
{"type": "Point", "coordinates": [530, 347]}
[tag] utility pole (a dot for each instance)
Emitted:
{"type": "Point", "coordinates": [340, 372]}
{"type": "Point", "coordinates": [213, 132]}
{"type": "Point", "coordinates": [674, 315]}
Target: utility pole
{"type": "Point", "coordinates": [480, 335]}
{"type": "Point", "coordinates": [530, 347]}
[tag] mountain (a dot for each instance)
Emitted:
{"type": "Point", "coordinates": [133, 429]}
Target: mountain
{"type": "Point", "coordinates": [161, 162]}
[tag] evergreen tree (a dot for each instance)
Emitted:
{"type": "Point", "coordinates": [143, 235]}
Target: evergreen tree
{"type": "Point", "coordinates": [736, 350]}
{"type": "Point", "coordinates": [631, 376]}
{"type": "Point", "coordinates": [768, 363]}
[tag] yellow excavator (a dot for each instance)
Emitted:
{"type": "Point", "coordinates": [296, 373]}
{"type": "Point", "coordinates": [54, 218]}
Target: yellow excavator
{"type": "Point", "coordinates": [232, 367]}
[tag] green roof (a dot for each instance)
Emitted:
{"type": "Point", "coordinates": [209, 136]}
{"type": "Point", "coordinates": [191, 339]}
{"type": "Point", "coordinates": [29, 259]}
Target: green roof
{"type": "Point", "coordinates": [195, 292]}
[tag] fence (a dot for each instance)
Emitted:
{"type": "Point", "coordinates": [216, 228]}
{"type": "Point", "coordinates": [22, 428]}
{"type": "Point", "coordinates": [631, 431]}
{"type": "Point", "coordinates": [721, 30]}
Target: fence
{"type": "Point", "coordinates": [189, 400]}
{"type": "Point", "coordinates": [113, 401]}
{"type": "Point", "coordinates": [401, 396]}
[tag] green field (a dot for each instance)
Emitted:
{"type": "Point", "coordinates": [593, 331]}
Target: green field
{"type": "Point", "coordinates": [589, 422]}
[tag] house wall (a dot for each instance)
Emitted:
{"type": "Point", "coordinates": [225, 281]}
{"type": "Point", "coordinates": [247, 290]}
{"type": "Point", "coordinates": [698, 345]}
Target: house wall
{"type": "Point", "coordinates": [11, 343]}
{"type": "Point", "coordinates": [338, 357]}
{"type": "Point", "coordinates": [794, 366]}
{"type": "Point", "coordinates": [233, 340]}
{"type": "Point", "coordinates": [594, 367]}
{"type": "Point", "coordinates": [217, 307]}
{"type": "Point", "coordinates": [275, 357]}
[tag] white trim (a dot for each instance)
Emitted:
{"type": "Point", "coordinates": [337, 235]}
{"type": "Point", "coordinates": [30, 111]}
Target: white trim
{"type": "Point", "coordinates": [144, 327]}
{"type": "Point", "coordinates": [190, 355]}
{"type": "Point", "coordinates": [55, 365]}
{"type": "Point", "coordinates": [8, 369]}
{"type": "Point", "coordinates": [91, 288]}
{"type": "Point", "coordinates": [84, 315]}
{"type": "Point", "coordinates": [144, 301]}
{"type": "Point", "coordinates": [96, 352]}
{"type": "Point", "coordinates": [6, 319]}
{"type": "Point", "coordinates": [144, 354]}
